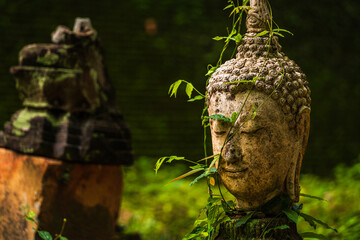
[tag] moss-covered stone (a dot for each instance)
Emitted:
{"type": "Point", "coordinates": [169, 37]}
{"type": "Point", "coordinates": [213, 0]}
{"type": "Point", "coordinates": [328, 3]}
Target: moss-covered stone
{"type": "Point", "coordinates": [48, 59]}
{"type": "Point", "coordinates": [67, 99]}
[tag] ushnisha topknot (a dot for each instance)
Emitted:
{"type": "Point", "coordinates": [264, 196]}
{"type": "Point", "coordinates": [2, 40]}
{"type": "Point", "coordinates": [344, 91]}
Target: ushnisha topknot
{"type": "Point", "coordinates": [260, 59]}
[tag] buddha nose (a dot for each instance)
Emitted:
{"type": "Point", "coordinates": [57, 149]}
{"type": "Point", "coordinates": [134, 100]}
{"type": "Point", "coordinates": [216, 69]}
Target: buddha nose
{"type": "Point", "coordinates": [232, 153]}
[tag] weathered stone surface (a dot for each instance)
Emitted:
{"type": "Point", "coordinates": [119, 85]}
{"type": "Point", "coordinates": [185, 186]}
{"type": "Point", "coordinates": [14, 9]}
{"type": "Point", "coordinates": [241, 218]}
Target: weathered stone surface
{"type": "Point", "coordinates": [256, 228]}
{"type": "Point", "coordinates": [69, 105]}
{"type": "Point", "coordinates": [263, 157]}
{"type": "Point", "coordinates": [88, 196]}
{"type": "Point", "coordinates": [68, 114]}
{"type": "Point", "coordinates": [261, 152]}
{"type": "Point", "coordinates": [101, 138]}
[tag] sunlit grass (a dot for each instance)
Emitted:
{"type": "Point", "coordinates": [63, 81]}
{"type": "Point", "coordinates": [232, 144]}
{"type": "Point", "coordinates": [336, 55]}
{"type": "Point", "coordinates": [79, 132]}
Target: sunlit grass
{"type": "Point", "coordinates": [161, 211]}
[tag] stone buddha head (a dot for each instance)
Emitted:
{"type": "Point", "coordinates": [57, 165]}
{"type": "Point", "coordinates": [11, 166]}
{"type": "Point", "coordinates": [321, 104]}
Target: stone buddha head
{"type": "Point", "coordinates": [262, 151]}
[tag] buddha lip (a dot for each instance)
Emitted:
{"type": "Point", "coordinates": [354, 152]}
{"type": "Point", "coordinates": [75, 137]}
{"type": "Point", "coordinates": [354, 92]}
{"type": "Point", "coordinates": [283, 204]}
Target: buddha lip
{"type": "Point", "coordinates": [234, 170]}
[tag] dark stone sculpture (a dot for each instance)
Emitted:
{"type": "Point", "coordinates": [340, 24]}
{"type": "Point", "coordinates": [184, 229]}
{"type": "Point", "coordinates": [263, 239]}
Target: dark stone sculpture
{"type": "Point", "coordinates": [69, 107]}
{"type": "Point", "coordinates": [61, 154]}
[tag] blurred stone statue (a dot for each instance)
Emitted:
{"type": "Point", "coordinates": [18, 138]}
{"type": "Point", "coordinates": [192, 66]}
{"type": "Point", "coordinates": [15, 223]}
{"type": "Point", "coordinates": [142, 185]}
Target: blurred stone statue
{"type": "Point", "coordinates": [262, 151]}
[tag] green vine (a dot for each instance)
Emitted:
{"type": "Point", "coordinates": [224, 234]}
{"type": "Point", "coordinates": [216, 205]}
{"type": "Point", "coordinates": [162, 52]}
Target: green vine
{"type": "Point", "coordinates": [30, 217]}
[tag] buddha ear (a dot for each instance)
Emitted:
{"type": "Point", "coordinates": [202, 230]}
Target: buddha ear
{"type": "Point", "coordinates": [303, 126]}
{"type": "Point", "coordinates": [302, 133]}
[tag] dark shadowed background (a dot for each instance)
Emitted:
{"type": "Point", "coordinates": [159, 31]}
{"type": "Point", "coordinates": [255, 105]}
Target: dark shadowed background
{"type": "Point", "coordinates": [151, 43]}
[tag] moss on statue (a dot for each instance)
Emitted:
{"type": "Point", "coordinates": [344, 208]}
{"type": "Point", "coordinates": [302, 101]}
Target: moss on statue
{"type": "Point", "coordinates": [48, 59]}
{"type": "Point", "coordinates": [25, 115]}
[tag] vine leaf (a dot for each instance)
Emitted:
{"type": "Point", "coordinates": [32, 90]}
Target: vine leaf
{"type": "Point", "coordinates": [292, 215]}
{"type": "Point", "coordinates": [205, 174]}
{"type": "Point", "coordinates": [219, 117]}
{"type": "Point", "coordinates": [312, 221]}
{"type": "Point", "coordinates": [238, 38]}
{"type": "Point", "coordinates": [277, 30]}
{"type": "Point", "coordinates": [31, 214]}
{"type": "Point", "coordinates": [218, 38]}
{"type": "Point", "coordinates": [161, 160]}
{"type": "Point", "coordinates": [228, 6]}
{"type": "Point", "coordinates": [253, 115]}
{"type": "Point", "coordinates": [261, 33]}
{"type": "Point", "coordinates": [312, 235]}
{"type": "Point", "coordinates": [297, 207]}
{"type": "Point", "coordinates": [234, 116]}
{"type": "Point", "coordinates": [187, 174]}
{"type": "Point", "coordinates": [45, 235]}
{"type": "Point", "coordinates": [174, 88]}
{"type": "Point", "coordinates": [197, 166]}
{"type": "Point", "coordinates": [308, 219]}
{"type": "Point", "coordinates": [189, 89]}
{"type": "Point", "coordinates": [30, 217]}
{"type": "Point", "coordinates": [310, 196]}
{"type": "Point", "coordinates": [212, 181]}
{"type": "Point", "coordinates": [216, 158]}
{"type": "Point", "coordinates": [244, 220]}
{"type": "Point", "coordinates": [196, 98]}
{"type": "Point", "coordinates": [282, 227]}
{"type": "Point", "coordinates": [211, 70]}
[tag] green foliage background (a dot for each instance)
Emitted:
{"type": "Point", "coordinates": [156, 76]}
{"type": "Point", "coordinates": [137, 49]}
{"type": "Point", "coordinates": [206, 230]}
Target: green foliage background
{"type": "Point", "coordinates": [326, 44]}
{"type": "Point", "coordinates": [162, 211]}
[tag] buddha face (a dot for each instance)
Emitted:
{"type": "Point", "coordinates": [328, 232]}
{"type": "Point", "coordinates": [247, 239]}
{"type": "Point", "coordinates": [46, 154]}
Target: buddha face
{"type": "Point", "coordinates": [263, 156]}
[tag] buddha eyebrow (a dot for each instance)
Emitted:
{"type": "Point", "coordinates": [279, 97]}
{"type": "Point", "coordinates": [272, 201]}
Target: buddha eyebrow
{"type": "Point", "coordinates": [250, 117]}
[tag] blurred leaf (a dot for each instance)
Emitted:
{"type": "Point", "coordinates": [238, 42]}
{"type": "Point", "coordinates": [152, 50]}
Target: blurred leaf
{"type": "Point", "coordinates": [200, 222]}
{"type": "Point", "coordinates": [282, 227]}
{"type": "Point", "coordinates": [277, 30]}
{"type": "Point", "coordinates": [218, 38]}
{"type": "Point", "coordinates": [31, 214]}
{"type": "Point", "coordinates": [198, 97]}
{"type": "Point", "coordinates": [234, 116]}
{"type": "Point", "coordinates": [174, 88]}
{"type": "Point", "coordinates": [261, 33]}
{"type": "Point", "coordinates": [197, 166]}
{"type": "Point", "coordinates": [279, 34]}
{"type": "Point", "coordinates": [161, 160]}
{"type": "Point", "coordinates": [312, 235]}
{"type": "Point", "coordinates": [243, 220]}
{"type": "Point", "coordinates": [45, 235]}
{"type": "Point", "coordinates": [238, 38]}
{"type": "Point", "coordinates": [309, 219]}
{"type": "Point", "coordinates": [228, 6]}
{"type": "Point", "coordinates": [172, 158]}
{"type": "Point", "coordinates": [211, 70]}
{"type": "Point", "coordinates": [30, 219]}
{"type": "Point", "coordinates": [195, 234]}
{"type": "Point", "coordinates": [310, 196]}
{"type": "Point", "coordinates": [63, 238]}
{"type": "Point", "coordinates": [189, 89]}
{"type": "Point", "coordinates": [297, 207]}
{"type": "Point", "coordinates": [292, 215]}
{"type": "Point", "coordinates": [212, 181]}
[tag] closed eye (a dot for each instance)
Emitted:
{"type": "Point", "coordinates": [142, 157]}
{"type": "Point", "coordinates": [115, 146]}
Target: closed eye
{"type": "Point", "coordinates": [220, 133]}
{"type": "Point", "coordinates": [252, 131]}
